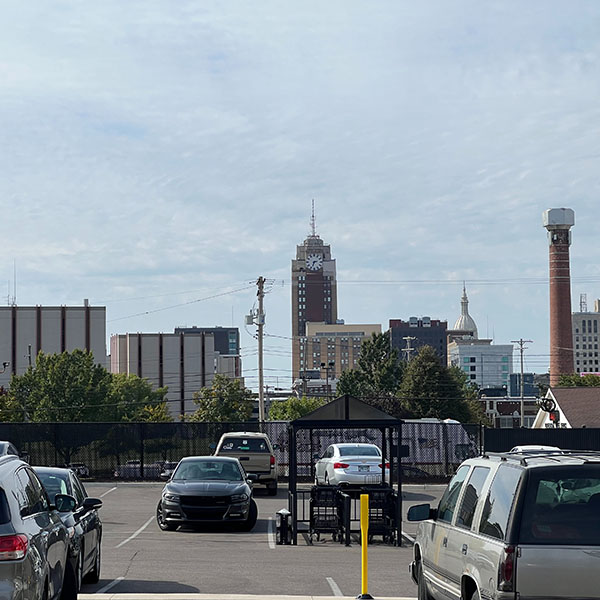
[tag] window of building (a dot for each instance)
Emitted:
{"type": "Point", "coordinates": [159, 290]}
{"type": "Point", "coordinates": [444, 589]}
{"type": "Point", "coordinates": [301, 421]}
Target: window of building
{"type": "Point", "coordinates": [473, 368]}
{"type": "Point", "coordinates": [473, 376]}
{"type": "Point", "coordinates": [472, 359]}
{"type": "Point", "coordinates": [595, 326]}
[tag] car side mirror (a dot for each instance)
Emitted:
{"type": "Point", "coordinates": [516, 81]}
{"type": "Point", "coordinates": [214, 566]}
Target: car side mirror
{"type": "Point", "coordinates": [165, 476]}
{"type": "Point", "coordinates": [421, 512]}
{"type": "Point", "coordinates": [316, 456]}
{"type": "Point", "coordinates": [251, 476]}
{"type": "Point", "coordinates": [212, 446]}
{"type": "Point", "coordinates": [64, 503]}
{"type": "Point", "coordinates": [275, 446]}
{"type": "Point", "coordinates": [91, 503]}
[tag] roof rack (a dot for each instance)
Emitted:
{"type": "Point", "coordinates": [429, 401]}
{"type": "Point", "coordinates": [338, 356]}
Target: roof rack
{"type": "Point", "coordinates": [553, 455]}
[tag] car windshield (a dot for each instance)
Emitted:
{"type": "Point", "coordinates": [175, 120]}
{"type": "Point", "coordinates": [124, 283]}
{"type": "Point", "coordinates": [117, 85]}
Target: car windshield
{"type": "Point", "coordinates": [54, 484]}
{"type": "Point", "coordinates": [204, 470]}
{"type": "Point", "coordinates": [359, 451]}
{"type": "Point", "coordinates": [563, 507]}
{"type": "Point", "coordinates": [241, 444]}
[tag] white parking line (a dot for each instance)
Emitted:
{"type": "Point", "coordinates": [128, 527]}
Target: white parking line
{"type": "Point", "coordinates": [334, 587]}
{"type": "Point", "coordinates": [271, 534]}
{"type": "Point", "coordinates": [110, 585]}
{"type": "Point", "coordinates": [108, 492]}
{"type": "Point", "coordinates": [131, 537]}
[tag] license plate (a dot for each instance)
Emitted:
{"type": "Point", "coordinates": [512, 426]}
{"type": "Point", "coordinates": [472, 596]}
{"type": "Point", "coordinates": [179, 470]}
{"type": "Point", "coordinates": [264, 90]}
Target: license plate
{"type": "Point", "coordinates": [364, 467]}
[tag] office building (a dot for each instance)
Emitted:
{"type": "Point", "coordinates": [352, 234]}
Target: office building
{"type": "Point", "coordinates": [408, 336]}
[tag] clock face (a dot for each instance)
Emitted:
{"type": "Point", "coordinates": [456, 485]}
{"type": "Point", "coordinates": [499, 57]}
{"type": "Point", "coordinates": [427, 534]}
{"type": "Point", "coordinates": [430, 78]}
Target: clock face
{"type": "Point", "coordinates": [314, 262]}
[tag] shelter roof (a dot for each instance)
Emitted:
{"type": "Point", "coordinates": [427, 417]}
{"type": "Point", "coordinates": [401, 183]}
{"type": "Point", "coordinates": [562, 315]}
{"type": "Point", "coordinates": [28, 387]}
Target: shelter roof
{"type": "Point", "coordinates": [348, 408]}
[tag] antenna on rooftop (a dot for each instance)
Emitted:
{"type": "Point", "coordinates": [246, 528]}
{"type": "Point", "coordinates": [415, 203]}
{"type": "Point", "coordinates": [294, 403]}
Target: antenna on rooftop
{"type": "Point", "coordinates": [583, 303]}
{"type": "Point", "coordinates": [313, 224]}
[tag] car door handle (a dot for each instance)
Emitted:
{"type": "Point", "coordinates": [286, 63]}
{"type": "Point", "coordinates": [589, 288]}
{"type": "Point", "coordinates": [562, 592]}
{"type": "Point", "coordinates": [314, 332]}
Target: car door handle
{"type": "Point", "coordinates": [445, 542]}
{"type": "Point", "coordinates": [464, 548]}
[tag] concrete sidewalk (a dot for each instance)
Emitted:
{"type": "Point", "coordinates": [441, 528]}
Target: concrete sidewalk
{"type": "Point", "coordinates": [223, 597]}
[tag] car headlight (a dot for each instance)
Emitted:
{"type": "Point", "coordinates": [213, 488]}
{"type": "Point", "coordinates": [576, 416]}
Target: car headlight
{"type": "Point", "coordinates": [239, 497]}
{"type": "Point", "coordinates": [171, 497]}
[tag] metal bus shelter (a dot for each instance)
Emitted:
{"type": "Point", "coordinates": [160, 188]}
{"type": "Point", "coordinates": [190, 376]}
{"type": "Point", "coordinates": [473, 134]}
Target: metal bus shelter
{"type": "Point", "coordinates": [343, 413]}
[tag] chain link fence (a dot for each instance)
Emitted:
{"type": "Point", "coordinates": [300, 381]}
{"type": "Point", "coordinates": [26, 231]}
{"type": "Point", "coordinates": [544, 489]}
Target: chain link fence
{"type": "Point", "coordinates": [431, 450]}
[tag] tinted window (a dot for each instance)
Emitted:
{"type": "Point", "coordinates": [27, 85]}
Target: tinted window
{"type": "Point", "coordinates": [359, 451]}
{"type": "Point", "coordinates": [4, 509]}
{"type": "Point", "coordinates": [471, 497]}
{"type": "Point", "coordinates": [32, 498]}
{"type": "Point", "coordinates": [236, 445]}
{"type": "Point", "coordinates": [208, 470]}
{"type": "Point", "coordinates": [448, 502]}
{"type": "Point", "coordinates": [54, 484]}
{"type": "Point", "coordinates": [562, 506]}
{"type": "Point", "coordinates": [499, 501]}
{"type": "Point", "coordinates": [78, 490]}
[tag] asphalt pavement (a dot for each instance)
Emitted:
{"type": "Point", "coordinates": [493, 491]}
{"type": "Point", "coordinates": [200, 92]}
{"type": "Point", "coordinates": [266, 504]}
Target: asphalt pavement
{"type": "Point", "coordinates": [141, 561]}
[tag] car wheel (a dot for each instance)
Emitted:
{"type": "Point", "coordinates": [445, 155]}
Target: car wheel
{"type": "Point", "coordinates": [250, 522]}
{"type": "Point", "coordinates": [272, 489]}
{"type": "Point", "coordinates": [160, 519]}
{"type": "Point", "coordinates": [422, 591]}
{"type": "Point", "coordinates": [326, 478]}
{"type": "Point", "coordinates": [94, 575]}
{"type": "Point", "coordinates": [316, 480]}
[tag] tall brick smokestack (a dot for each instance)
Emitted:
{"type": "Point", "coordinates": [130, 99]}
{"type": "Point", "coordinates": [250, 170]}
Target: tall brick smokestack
{"type": "Point", "coordinates": [558, 222]}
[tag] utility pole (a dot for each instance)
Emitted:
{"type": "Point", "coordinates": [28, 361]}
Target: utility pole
{"type": "Point", "coordinates": [522, 347]}
{"type": "Point", "coordinates": [408, 339]}
{"type": "Point", "coordinates": [260, 323]}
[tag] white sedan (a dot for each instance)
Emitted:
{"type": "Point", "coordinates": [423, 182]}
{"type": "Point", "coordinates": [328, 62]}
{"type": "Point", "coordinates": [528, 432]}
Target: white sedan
{"type": "Point", "coordinates": [351, 464]}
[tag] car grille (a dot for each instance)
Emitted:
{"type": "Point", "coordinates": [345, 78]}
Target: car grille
{"type": "Point", "coordinates": [205, 501]}
{"type": "Point", "coordinates": [204, 513]}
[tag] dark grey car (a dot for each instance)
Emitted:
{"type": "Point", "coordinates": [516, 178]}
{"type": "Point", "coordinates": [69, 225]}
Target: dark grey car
{"type": "Point", "coordinates": [34, 542]}
{"type": "Point", "coordinates": [85, 555]}
{"type": "Point", "coordinates": [207, 489]}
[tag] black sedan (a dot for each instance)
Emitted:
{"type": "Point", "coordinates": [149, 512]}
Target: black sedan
{"type": "Point", "coordinates": [207, 489]}
{"type": "Point", "coordinates": [83, 523]}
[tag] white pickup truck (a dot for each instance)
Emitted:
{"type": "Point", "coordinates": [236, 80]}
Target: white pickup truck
{"type": "Point", "coordinates": [513, 526]}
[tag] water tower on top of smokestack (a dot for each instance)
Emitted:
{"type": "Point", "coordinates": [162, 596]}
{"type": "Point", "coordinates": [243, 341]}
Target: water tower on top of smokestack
{"type": "Point", "coordinates": [558, 222]}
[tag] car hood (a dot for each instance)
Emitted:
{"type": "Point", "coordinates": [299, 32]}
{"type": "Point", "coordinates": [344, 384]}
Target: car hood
{"type": "Point", "coordinates": [207, 488]}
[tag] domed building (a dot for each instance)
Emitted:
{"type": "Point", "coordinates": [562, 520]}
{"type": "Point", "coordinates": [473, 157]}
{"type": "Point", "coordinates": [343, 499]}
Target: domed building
{"type": "Point", "coordinates": [484, 363]}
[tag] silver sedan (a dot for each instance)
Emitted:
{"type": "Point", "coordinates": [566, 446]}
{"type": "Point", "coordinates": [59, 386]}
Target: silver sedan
{"type": "Point", "coordinates": [350, 464]}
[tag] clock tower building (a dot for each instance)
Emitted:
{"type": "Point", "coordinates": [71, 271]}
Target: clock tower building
{"type": "Point", "coordinates": [314, 297]}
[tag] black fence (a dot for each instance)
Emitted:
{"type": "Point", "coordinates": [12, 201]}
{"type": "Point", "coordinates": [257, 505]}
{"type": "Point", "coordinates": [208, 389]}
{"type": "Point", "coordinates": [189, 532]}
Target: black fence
{"type": "Point", "coordinates": [502, 440]}
{"type": "Point", "coordinates": [431, 450]}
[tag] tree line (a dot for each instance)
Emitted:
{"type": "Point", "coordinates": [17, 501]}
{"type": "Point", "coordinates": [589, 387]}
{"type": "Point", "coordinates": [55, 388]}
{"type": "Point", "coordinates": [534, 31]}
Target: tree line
{"type": "Point", "coordinates": [71, 387]}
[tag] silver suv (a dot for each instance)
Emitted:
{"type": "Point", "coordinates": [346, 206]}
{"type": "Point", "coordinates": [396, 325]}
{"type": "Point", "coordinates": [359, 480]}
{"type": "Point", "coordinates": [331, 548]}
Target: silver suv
{"type": "Point", "coordinates": [256, 454]}
{"type": "Point", "coordinates": [34, 542]}
{"type": "Point", "coordinates": [517, 525]}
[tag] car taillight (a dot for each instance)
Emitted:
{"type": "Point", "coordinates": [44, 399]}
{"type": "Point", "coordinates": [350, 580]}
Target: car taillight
{"type": "Point", "coordinates": [506, 569]}
{"type": "Point", "coordinates": [387, 465]}
{"type": "Point", "coordinates": [13, 547]}
{"type": "Point", "coordinates": [340, 465]}
{"type": "Point", "coordinates": [272, 460]}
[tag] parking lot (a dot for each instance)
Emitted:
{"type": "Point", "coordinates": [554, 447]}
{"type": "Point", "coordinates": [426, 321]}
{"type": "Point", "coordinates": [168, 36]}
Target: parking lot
{"type": "Point", "coordinates": [139, 558]}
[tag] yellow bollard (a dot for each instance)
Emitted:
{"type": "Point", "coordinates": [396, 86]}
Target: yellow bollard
{"type": "Point", "coordinates": [364, 539]}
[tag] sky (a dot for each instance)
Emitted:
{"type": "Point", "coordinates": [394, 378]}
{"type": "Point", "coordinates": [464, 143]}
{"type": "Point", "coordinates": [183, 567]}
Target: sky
{"type": "Point", "coordinates": [158, 157]}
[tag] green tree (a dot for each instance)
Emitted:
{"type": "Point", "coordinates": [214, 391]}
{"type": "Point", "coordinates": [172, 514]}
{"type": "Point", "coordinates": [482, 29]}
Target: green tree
{"type": "Point", "coordinates": [132, 398]}
{"type": "Point", "coordinates": [294, 407]}
{"type": "Point", "coordinates": [377, 376]}
{"type": "Point", "coordinates": [576, 380]}
{"type": "Point", "coordinates": [61, 387]}
{"type": "Point", "coordinates": [227, 400]}
{"type": "Point", "coordinates": [430, 389]}
{"type": "Point", "coordinates": [378, 371]}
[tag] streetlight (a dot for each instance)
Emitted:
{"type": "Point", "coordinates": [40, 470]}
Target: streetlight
{"type": "Point", "coordinates": [4, 366]}
{"type": "Point", "coordinates": [327, 368]}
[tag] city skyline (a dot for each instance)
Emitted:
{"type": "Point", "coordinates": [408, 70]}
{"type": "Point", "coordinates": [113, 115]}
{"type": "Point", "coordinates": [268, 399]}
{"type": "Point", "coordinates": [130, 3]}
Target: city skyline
{"type": "Point", "coordinates": [157, 157]}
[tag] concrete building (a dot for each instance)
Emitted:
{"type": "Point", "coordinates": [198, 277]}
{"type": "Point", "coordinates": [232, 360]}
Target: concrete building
{"type": "Point", "coordinates": [585, 339]}
{"type": "Point", "coordinates": [408, 336]}
{"type": "Point", "coordinates": [27, 330]}
{"type": "Point", "coordinates": [486, 364]}
{"type": "Point", "coordinates": [183, 362]}
{"type": "Point", "coordinates": [558, 222]}
{"type": "Point", "coordinates": [314, 294]}
{"type": "Point", "coordinates": [227, 345]}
